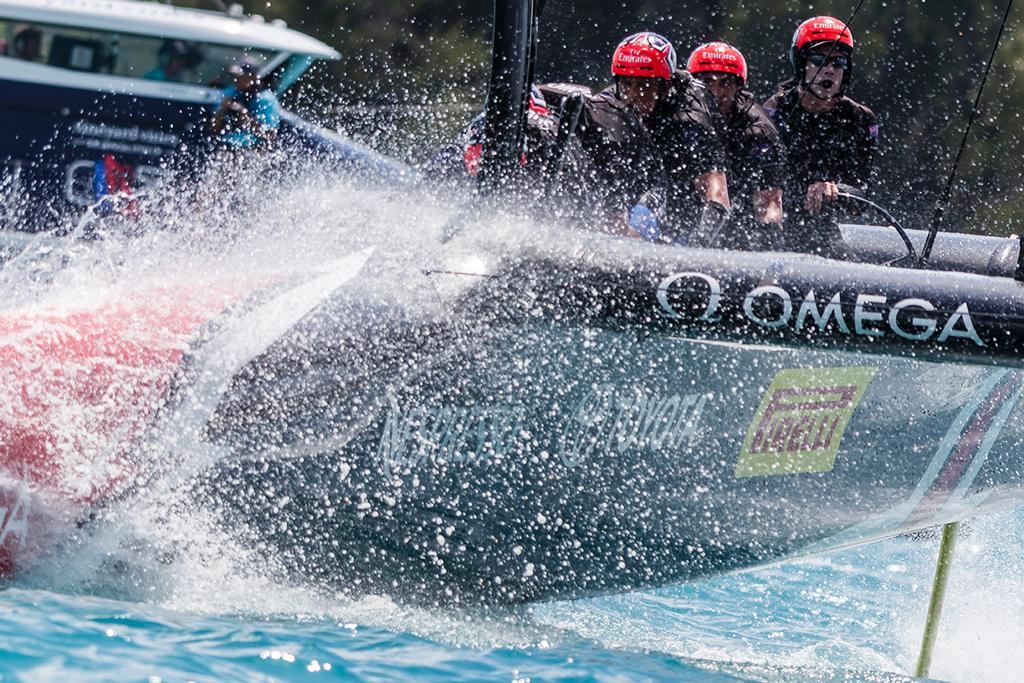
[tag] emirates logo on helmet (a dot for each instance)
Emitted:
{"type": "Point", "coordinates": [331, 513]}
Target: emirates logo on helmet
{"type": "Point", "coordinates": [819, 29]}
{"type": "Point", "coordinates": [718, 57]}
{"type": "Point", "coordinates": [644, 55]}
{"type": "Point", "coordinates": [635, 59]}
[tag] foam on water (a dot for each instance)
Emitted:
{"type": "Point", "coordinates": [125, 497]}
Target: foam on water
{"type": "Point", "coordinates": [983, 619]}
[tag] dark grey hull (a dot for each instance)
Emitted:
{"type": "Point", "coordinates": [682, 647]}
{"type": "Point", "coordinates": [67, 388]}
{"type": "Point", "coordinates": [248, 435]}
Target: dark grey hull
{"type": "Point", "coordinates": [520, 436]}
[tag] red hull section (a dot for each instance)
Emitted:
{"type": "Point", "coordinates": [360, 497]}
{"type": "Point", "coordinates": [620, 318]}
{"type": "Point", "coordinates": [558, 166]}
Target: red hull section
{"type": "Point", "coordinates": [78, 389]}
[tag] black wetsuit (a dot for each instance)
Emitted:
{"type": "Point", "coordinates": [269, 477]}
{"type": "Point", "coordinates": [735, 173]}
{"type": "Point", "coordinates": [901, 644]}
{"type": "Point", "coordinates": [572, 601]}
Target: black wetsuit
{"type": "Point", "coordinates": [757, 161]}
{"type": "Point", "coordinates": [683, 132]}
{"type": "Point", "coordinates": [836, 146]}
{"type": "Point", "coordinates": [622, 166]}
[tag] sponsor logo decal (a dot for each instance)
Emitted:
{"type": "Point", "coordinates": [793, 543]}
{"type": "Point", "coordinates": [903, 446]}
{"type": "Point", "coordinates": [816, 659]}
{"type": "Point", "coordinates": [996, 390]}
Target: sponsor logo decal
{"type": "Point", "coordinates": [455, 434]}
{"type": "Point", "coordinates": [140, 140]}
{"type": "Point", "coordinates": [635, 59]}
{"type": "Point", "coordinates": [698, 296]}
{"type": "Point", "coordinates": [81, 178]}
{"type": "Point", "coordinates": [102, 140]}
{"type": "Point", "coordinates": [718, 56]}
{"type": "Point", "coordinates": [617, 420]}
{"type": "Point", "coordinates": [608, 420]}
{"type": "Point", "coordinates": [801, 420]}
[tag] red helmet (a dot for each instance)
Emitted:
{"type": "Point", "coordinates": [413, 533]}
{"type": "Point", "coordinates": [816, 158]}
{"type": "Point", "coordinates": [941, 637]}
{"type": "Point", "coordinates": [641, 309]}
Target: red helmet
{"type": "Point", "coordinates": [718, 57]}
{"type": "Point", "coordinates": [644, 55]}
{"type": "Point", "coordinates": [819, 30]}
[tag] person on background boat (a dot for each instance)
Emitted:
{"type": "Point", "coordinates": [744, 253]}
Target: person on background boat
{"type": "Point", "coordinates": [756, 157]}
{"type": "Point", "coordinates": [675, 110]}
{"type": "Point", "coordinates": [829, 138]}
{"type": "Point", "coordinates": [27, 44]}
{"type": "Point", "coordinates": [174, 58]}
{"type": "Point", "coordinates": [249, 114]}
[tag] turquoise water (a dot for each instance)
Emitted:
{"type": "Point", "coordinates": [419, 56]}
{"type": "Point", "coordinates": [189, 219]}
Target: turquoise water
{"type": "Point", "coordinates": [852, 616]}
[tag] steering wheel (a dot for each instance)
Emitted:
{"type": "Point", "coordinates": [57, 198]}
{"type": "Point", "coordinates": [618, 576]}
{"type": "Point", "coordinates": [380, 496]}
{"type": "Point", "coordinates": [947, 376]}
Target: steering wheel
{"type": "Point", "coordinates": [911, 251]}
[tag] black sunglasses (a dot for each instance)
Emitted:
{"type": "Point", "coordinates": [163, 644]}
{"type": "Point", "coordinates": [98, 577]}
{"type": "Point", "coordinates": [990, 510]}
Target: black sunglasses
{"type": "Point", "coordinates": [712, 79]}
{"type": "Point", "coordinates": [838, 61]}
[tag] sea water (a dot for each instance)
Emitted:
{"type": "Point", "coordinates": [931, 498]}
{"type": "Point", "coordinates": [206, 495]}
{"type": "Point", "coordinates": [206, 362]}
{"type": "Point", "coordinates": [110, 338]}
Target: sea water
{"type": "Point", "coordinates": [180, 600]}
{"type": "Point", "coordinates": [855, 615]}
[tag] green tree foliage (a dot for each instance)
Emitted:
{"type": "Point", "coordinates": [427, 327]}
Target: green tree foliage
{"type": "Point", "coordinates": [918, 66]}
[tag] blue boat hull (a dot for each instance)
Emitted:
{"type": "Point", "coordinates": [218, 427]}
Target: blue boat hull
{"type": "Point", "coordinates": [70, 147]}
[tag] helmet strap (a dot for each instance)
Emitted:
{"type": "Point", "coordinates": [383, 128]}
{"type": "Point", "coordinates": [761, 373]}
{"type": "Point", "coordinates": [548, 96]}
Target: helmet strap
{"type": "Point", "coordinates": [734, 103]}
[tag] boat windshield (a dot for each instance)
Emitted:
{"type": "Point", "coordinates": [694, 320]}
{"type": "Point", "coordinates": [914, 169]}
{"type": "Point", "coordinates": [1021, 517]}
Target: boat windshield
{"type": "Point", "coordinates": [121, 54]}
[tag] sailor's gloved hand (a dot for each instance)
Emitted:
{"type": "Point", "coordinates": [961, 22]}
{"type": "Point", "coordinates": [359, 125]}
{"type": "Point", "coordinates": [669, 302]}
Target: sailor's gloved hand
{"type": "Point", "coordinates": [645, 223]}
{"type": "Point", "coordinates": [713, 217]}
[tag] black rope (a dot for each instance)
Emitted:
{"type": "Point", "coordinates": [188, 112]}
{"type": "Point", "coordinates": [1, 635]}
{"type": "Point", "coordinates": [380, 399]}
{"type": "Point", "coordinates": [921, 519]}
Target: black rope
{"type": "Point", "coordinates": [831, 49]}
{"type": "Point", "coordinates": [911, 252]}
{"type": "Point", "coordinates": [940, 205]}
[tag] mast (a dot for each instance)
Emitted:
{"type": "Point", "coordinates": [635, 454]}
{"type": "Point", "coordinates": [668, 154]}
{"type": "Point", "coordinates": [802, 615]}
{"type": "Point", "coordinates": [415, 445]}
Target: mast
{"type": "Point", "coordinates": [507, 90]}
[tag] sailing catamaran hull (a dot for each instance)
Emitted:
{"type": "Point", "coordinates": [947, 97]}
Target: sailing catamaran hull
{"type": "Point", "coordinates": [531, 438]}
{"type": "Point", "coordinates": [80, 390]}
{"type": "Point", "coordinates": [586, 415]}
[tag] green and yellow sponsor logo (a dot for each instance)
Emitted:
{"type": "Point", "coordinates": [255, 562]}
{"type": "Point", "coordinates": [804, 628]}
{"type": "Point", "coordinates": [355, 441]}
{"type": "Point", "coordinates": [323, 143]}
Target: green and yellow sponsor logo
{"type": "Point", "coordinates": [801, 419]}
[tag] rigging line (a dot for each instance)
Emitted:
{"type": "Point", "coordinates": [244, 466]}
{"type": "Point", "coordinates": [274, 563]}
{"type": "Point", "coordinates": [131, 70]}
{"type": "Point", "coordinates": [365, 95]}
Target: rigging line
{"type": "Point", "coordinates": [940, 205]}
{"type": "Point", "coordinates": [831, 49]}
